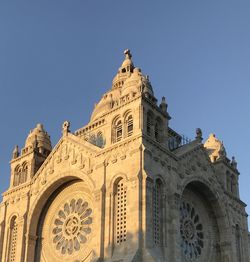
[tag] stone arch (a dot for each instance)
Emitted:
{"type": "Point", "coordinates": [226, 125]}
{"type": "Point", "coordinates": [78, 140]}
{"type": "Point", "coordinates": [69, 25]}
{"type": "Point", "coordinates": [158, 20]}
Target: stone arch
{"type": "Point", "coordinates": [128, 123]}
{"type": "Point", "coordinates": [119, 211]}
{"type": "Point", "coordinates": [115, 179]}
{"type": "Point", "coordinates": [12, 238]}
{"type": "Point", "coordinates": [158, 208]}
{"type": "Point", "coordinates": [202, 210]}
{"type": "Point", "coordinates": [117, 129]}
{"type": "Point", "coordinates": [17, 175]}
{"type": "Point", "coordinates": [43, 201]}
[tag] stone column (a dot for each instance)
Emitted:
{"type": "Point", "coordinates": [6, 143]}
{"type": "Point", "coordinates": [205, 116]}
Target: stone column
{"type": "Point", "coordinates": [30, 248]}
{"type": "Point", "coordinates": [174, 251]}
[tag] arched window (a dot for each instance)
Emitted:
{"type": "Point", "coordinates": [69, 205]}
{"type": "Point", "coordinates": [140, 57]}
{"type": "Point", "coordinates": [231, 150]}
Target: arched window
{"type": "Point", "coordinates": [17, 175]}
{"type": "Point", "coordinates": [238, 242]}
{"type": "Point", "coordinates": [23, 177]}
{"type": "Point", "coordinates": [228, 180]}
{"type": "Point", "coordinates": [120, 210]}
{"type": "Point", "coordinates": [149, 123]}
{"type": "Point", "coordinates": [12, 240]}
{"type": "Point", "coordinates": [232, 184]}
{"type": "Point", "coordinates": [158, 213]}
{"type": "Point", "coordinates": [117, 131]}
{"type": "Point", "coordinates": [130, 126]}
{"type": "Point", "coordinates": [158, 130]}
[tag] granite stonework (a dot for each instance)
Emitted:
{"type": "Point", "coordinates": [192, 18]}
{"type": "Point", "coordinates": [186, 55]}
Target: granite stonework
{"type": "Point", "coordinates": [125, 187]}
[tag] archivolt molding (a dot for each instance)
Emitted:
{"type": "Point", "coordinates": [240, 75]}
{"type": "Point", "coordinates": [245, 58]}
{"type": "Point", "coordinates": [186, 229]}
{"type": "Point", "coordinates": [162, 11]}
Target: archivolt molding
{"type": "Point", "coordinates": [115, 177]}
{"type": "Point", "coordinates": [46, 191]}
{"type": "Point", "coordinates": [216, 191]}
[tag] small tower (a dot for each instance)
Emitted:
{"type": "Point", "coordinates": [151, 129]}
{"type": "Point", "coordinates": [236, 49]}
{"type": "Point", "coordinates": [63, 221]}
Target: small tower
{"type": "Point", "coordinates": [226, 168]}
{"type": "Point", "coordinates": [24, 164]}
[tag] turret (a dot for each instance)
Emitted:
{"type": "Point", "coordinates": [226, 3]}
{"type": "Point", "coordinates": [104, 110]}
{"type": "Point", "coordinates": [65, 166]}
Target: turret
{"type": "Point", "coordinates": [226, 168]}
{"type": "Point", "coordinates": [25, 164]}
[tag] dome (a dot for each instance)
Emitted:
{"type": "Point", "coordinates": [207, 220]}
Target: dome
{"type": "Point", "coordinates": [105, 104]}
{"type": "Point", "coordinates": [137, 82]}
{"type": "Point", "coordinates": [38, 137]}
{"type": "Point", "coordinates": [128, 80]}
{"type": "Point", "coordinates": [124, 71]}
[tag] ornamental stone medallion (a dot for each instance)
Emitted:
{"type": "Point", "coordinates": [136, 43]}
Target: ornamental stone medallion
{"type": "Point", "coordinates": [198, 230]}
{"type": "Point", "coordinates": [67, 226]}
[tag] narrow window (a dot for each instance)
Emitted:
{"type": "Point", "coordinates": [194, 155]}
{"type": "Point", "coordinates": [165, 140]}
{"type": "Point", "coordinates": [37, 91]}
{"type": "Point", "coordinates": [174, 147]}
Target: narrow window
{"type": "Point", "coordinates": [238, 242]}
{"type": "Point", "coordinates": [157, 209]}
{"type": "Point", "coordinates": [120, 213]}
{"type": "Point", "coordinates": [149, 123]}
{"type": "Point", "coordinates": [130, 126]}
{"type": "Point", "coordinates": [157, 132]}
{"type": "Point", "coordinates": [17, 176]}
{"type": "Point", "coordinates": [232, 184]}
{"type": "Point", "coordinates": [119, 131]}
{"type": "Point", "coordinates": [23, 177]}
{"type": "Point", "coordinates": [13, 240]}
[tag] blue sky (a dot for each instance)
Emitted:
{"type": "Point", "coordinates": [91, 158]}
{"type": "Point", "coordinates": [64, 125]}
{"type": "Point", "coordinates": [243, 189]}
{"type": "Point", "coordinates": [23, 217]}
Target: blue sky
{"type": "Point", "coordinates": [58, 57]}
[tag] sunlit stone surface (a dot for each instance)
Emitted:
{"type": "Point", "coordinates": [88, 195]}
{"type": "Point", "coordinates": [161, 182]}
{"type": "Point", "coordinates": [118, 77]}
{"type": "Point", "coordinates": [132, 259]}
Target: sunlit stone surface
{"type": "Point", "coordinates": [125, 187]}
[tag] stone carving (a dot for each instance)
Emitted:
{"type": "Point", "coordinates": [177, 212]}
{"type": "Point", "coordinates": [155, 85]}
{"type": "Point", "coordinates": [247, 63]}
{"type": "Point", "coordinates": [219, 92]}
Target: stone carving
{"type": "Point", "coordinates": [191, 229]}
{"type": "Point", "coordinates": [71, 226]}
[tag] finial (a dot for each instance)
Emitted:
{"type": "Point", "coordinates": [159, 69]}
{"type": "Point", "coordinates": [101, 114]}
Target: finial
{"type": "Point", "coordinates": [233, 162]}
{"type": "Point", "coordinates": [163, 105]}
{"type": "Point", "coordinates": [127, 53]}
{"type": "Point", "coordinates": [15, 153]}
{"type": "Point", "coordinates": [198, 134]}
{"type": "Point", "coordinates": [222, 151]}
{"type": "Point", "coordinates": [39, 126]}
{"type": "Point", "coordinates": [65, 127]}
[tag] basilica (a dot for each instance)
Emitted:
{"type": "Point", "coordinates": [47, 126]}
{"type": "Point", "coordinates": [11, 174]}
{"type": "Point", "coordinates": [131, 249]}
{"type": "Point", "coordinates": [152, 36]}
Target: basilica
{"type": "Point", "coordinates": [125, 187]}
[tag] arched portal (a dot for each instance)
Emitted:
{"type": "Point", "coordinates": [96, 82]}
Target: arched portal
{"type": "Point", "coordinates": [200, 235]}
{"type": "Point", "coordinates": [64, 228]}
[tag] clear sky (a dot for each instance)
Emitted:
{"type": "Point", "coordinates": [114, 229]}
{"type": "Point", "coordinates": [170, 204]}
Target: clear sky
{"type": "Point", "coordinates": [58, 57]}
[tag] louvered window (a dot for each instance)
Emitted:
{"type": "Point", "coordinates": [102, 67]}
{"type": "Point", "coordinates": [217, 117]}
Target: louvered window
{"type": "Point", "coordinates": [130, 126]}
{"type": "Point", "coordinates": [121, 213]}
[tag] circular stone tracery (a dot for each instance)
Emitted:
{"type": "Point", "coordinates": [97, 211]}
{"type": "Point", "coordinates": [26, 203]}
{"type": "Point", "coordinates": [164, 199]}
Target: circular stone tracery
{"type": "Point", "coordinates": [191, 229]}
{"type": "Point", "coordinates": [71, 226]}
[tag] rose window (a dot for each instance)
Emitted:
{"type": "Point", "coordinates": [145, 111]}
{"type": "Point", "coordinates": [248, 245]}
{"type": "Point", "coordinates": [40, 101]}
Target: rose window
{"type": "Point", "coordinates": [191, 229]}
{"type": "Point", "coordinates": [71, 226]}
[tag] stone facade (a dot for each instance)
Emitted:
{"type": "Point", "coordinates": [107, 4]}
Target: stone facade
{"type": "Point", "coordinates": [123, 188]}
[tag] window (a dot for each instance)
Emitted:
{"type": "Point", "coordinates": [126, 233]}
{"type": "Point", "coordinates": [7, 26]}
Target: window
{"type": "Point", "coordinates": [130, 126]}
{"type": "Point", "coordinates": [117, 131]}
{"type": "Point", "coordinates": [120, 209]}
{"type": "Point", "coordinates": [12, 240]}
{"type": "Point", "coordinates": [157, 209]}
{"type": "Point", "coordinates": [17, 175]}
{"type": "Point", "coordinates": [232, 184]}
{"type": "Point", "coordinates": [23, 177]}
{"type": "Point", "coordinates": [149, 123]}
{"type": "Point", "coordinates": [157, 132]}
{"type": "Point", "coordinates": [20, 174]}
{"type": "Point", "coordinates": [238, 243]}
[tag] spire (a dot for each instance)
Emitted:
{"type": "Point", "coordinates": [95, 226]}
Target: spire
{"type": "Point", "coordinates": [125, 70]}
{"type": "Point", "coordinates": [15, 153]}
{"type": "Point", "coordinates": [127, 54]}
